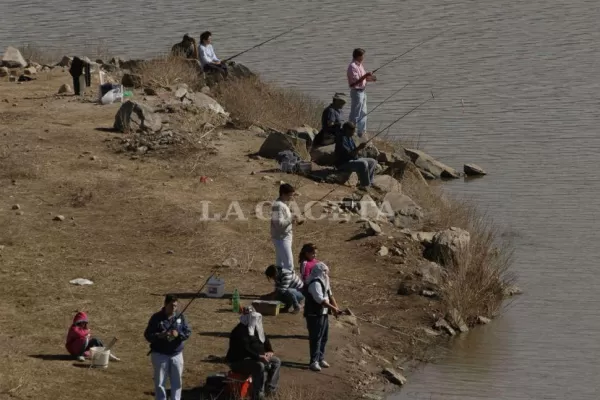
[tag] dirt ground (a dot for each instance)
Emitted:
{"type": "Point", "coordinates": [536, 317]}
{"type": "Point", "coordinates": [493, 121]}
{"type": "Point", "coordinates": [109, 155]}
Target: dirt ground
{"type": "Point", "coordinates": [132, 226]}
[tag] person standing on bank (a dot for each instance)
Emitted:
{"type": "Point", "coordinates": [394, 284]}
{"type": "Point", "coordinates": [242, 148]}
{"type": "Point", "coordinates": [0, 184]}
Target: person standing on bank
{"type": "Point", "coordinates": [166, 332]}
{"type": "Point", "coordinates": [207, 55]}
{"type": "Point", "coordinates": [357, 80]}
{"type": "Point", "coordinates": [319, 302]}
{"type": "Point", "coordinates": [281, 227]}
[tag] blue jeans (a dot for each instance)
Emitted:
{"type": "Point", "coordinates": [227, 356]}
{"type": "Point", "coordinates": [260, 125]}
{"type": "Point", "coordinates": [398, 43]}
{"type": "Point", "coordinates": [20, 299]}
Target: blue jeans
{"type": "Point", "coordinates": [364, 168]}
{"type": "Point", "coordinates": [358, 110]}
{"type": "Point", "coordinates": [290, 297]}
{"type": "Point", "coordinates": [318, 334]}
{"type": "Point", "coordinates": [167, 367]}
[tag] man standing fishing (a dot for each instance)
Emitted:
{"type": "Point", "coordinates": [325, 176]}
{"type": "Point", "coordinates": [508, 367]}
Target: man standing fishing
{"type": "Point", "coordinates": [166, 332]}
{"type": "Point", "coordinates": [357, 80]}
{"type": "Point", "coordinates": [281, 227]}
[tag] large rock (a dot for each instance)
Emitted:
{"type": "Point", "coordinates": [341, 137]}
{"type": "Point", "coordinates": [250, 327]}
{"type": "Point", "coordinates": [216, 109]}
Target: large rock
{"type": "Point", "coordinates": [12, 58]}
{"type": "Point", "coordinates": [323, 156]}
{"type": "Point", "coordinates": [204, 101]}
{"type": "Point", "coordinates": [304, 132]}
{"type": "Point", "coordinates": [132, 80]}
{"type": "Point", "coordinates": [473, 170]}
{"type": "Point", "coordinates": [394, 376]}
{"type": "Point", "coordinates": [4, 71]}
{"type": "Point", "coordinates": [447, 245]}
{"type": "Point", "coordinates": [368, 208]}
{"type": "Point", "coordinates": [278, 141]}
{"type": "Point", "coordinates": [30, 71]}
{"type": "Point", "coordinates": [401, 209]}
{"type": "Point", "coordinates": [133, 116]}
{"type": "Point", "coordinates": [431, 274]}
{"type": "Point", "coordinates": [457, 321]}
{"type": "Point", "coordinates": [387, 184]}
{"type": "Point", "coordinates": [430, 165]}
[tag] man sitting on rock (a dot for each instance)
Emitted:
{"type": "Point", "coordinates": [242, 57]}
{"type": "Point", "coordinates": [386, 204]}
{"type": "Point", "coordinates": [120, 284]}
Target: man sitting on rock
{"type": "Point", "coordinates": [347, 159]}
{"type": "Point", "coordinates": [186, 48]}
{"type": "Point", "coordinates": [331, 121]}
{"type": "Point", "coordinates": [288, 287]}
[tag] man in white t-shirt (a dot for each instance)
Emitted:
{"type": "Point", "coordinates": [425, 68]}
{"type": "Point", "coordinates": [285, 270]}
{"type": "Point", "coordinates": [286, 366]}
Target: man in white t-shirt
{"type": "Point", "coordinates": [281, 227]}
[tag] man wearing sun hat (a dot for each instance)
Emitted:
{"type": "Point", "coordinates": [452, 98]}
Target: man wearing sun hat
{"type": "Point", "coordinates": [331, 121]}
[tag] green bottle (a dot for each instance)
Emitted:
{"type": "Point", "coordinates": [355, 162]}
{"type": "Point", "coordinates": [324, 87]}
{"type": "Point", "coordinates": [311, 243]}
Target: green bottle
{"type": "Point", "coordinates": [236, 301]}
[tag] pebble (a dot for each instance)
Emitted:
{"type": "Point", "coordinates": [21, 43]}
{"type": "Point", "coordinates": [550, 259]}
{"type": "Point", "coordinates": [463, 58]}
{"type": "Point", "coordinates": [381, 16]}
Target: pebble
{"type": "Point", "coordinates": [20, 213]}
{"type": "Point", "coordinates": [59, 218]}
{"type": "Point", "coordinates": [93, 158]}
{"type": "Point", "coordinates": [170, 252]}
{"type": "Point", "coordinates": [383, 251]}
{"type": "Point", "coordinates": [16, 207]}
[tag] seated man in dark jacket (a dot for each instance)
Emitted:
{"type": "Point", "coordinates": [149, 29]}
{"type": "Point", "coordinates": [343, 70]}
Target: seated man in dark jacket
{"type": "Point", "coordinates": [250, 353]}
{"type": "Point", "coordinates": [346, 155]}
{"type": "Point", "coordinates": [331, 121]}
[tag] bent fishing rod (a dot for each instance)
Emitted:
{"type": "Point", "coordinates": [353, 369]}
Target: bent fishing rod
{"type": "Point", "coordinates": [188, 304]}
{"type": "Point", "coordinates": [266, 41]}
{"type": "Point", "coordinates": [387, 127]}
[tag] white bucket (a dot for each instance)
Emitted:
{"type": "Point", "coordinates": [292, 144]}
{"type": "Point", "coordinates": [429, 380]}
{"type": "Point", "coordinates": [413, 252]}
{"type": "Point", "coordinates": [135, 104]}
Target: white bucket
{"type": "Point", "coordinates": [99, 357]}
{"type": "Point", "coordinates": [215, 287]}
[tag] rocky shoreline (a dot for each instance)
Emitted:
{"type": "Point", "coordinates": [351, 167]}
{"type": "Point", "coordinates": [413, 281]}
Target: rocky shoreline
{"type": "Point", "coordinates": [430, 248]}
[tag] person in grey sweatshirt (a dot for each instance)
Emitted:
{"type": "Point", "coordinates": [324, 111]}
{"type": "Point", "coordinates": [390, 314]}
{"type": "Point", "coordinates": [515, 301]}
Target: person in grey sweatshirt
{"type": "Point", "coordinates": [281, 227]}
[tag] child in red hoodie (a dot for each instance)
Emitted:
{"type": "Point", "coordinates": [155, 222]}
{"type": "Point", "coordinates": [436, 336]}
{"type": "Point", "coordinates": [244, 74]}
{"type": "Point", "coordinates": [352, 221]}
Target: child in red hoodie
{"type": "Point", "coordinates": [80, 340]}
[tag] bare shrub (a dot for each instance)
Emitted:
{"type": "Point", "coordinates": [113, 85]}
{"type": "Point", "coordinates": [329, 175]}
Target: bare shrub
{"type": "Point", "coordinates": [167, 71]}
{"type": "Point", "coordinates": [253, 101]}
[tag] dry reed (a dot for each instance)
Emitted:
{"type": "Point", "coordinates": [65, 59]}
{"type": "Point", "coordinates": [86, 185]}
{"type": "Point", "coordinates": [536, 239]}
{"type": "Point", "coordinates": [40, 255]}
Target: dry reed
{"type": "Point", "coordinates": [167, 71]}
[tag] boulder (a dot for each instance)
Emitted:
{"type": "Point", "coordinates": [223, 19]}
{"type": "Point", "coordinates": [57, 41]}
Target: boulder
{"type": "Point", "coordinates": [443, 325]}
{"type": "Point", "coordinates": [483, 320]}
{"type": "Point", "coordinates": [65, 89]}
{"type": "Point", "coordinates": [304, 132]}
{"type": "Point", "coordinates": [181, 92]}
{"type": "Point", "coordinates": [372, 228]}
{"type": "Point", "coordinates": [237, 70]}
{"type": "Point", "coordinates": [65, 62]}
{"type": "Point", "coordinates": [394, 376]}
{"type": "Point", "coordinates": [323, 156]}
{"type": "Point", "coordinates": [387, 184]}
{"type": "Point", "coordinates": [447, 245]}
{"type": "Point", "coordinates": [4, 71]}
{"type": "Point", "coordinates": [401, 209]}
{"type": "Point", "coordinates": [132, 80]}
{"type": "Point", "coordinates": [473, 170]}
{"type": "Point", "coordinates": [430, 165]}
{"type": "Point", "coordinates": [431, 274]}
{"type": "Point", "coordinates": [368, 208]}
{"type": "Point", "coordinates": [133, 116]}
{"type": "Point", "coordinates": [12, 58]}
{"type": "Point", "coordinates": [206, 102]}
{"type": "Point", "coordinates": [30, 71]}
{"type": "Point", "coordinates": [371, 152]}
{"type": "Point", "coordinates": [457, 321]}
{"type": "Point", "coordinates": [426, 238]}
{"type": "Point", "coordinates": [278, 141]}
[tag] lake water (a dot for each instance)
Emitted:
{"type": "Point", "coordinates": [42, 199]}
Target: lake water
{"type": "Point", "coordinates": [515, 87]}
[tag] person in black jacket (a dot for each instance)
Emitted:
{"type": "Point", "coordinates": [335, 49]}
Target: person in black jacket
{"type": "Point", "coordinates": [166, 332]}
{"type": "Point", "coordinates": [250, 353]}
{"type": "Point", "coordinates": [78, 68]}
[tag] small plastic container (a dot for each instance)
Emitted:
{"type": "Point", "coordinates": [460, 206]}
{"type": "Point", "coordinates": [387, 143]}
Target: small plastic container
{"type": "Point", "coordinates": [215, 287]}
{"type": "Point", "coordinates": [99, 357]}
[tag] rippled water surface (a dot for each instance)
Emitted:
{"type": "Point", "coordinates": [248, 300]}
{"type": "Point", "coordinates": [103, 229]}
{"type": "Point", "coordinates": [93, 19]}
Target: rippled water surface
{"type": "Point", "coordinates": [515, 84]}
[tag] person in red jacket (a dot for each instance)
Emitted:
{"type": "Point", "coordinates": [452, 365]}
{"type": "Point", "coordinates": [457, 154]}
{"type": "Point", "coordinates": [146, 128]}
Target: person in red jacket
{"type": "Point", "coordinates": [80, 340]}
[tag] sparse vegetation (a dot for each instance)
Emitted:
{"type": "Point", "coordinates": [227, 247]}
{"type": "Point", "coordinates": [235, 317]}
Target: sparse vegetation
{"type": "Point", "coordinates": [166, 71]}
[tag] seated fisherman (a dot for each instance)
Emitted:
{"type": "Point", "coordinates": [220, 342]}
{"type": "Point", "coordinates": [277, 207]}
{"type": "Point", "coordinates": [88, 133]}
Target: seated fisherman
{"type": "Point", "coordinates": [186, 48]}
{"type": "Point", "coordinates": [331, 121]}
{"type": "Point", "coordinates": [347, 159]}
{"type": "Point", "coordinates": [288, 287]}
{"type": "Point", "coordinates": [80, 339]}
{"type": "Point", "coordinates": [207, 55]}
{"type": "Point", "coordinates": [250, 353]}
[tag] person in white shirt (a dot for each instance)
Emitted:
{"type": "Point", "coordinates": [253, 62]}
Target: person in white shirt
{"type": "Point", "coordinates": [281, 227]}
{"type": "Point", "coordinates": [209, 60]}
{"type": "Point", "coordinates": [318, 302]}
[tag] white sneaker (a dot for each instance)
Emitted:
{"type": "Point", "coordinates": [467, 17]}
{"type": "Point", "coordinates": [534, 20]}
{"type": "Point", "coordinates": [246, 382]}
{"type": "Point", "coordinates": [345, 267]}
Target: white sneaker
{"type": "Point", "coordinates": [315, 367]}
{"type": "Point", "coordinates": [114, 358]}
{"type": "Point", "coordinates": [324, 364]}
{"type": "Point", "coordinates": [81, 358]}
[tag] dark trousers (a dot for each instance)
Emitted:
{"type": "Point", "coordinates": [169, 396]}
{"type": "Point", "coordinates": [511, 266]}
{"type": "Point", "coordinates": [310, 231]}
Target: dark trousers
{"type": "Point", "coordinates": [318, 334]}
{"type": "Point", "coordinates": [220, 69]}
{"type": "Point", "coordinates": [76, 86]}
{"type": "Point", "coordinates": [93, 342]}
{"type": "Point", "coordinates": [262, 374]}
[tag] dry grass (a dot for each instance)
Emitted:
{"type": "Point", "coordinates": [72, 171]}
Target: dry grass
{"type": "Point", "coordinates": [251, 101]}
{"type": "Point", "coordinates": [167, 71]}
{"type": "Point", "coordinates": [18, 166]}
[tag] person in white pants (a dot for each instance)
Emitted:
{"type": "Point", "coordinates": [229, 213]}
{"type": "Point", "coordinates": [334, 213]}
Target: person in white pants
{"type": "Point", "coordinates": [281, 227]}
{"type": "Point", "coordinates": [166, 332]}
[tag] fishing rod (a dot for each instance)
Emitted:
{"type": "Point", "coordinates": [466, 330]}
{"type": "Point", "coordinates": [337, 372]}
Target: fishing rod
{"type": "Point", "coordinates": [188, 304]}
{"type": "Point", "coordinates": [266, 41]}
{"type": "Point", "coordinates": [389, 97]}
{"type": "Point", "coordinates": [411, 49]}
{"type": "Point", "coordinates": [413, 109]}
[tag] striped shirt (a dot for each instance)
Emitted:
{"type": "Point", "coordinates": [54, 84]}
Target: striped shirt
{"type": "Point", "coordinates": [287, 279]}
{"type": "Point", "coordinates": [355, 71]}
